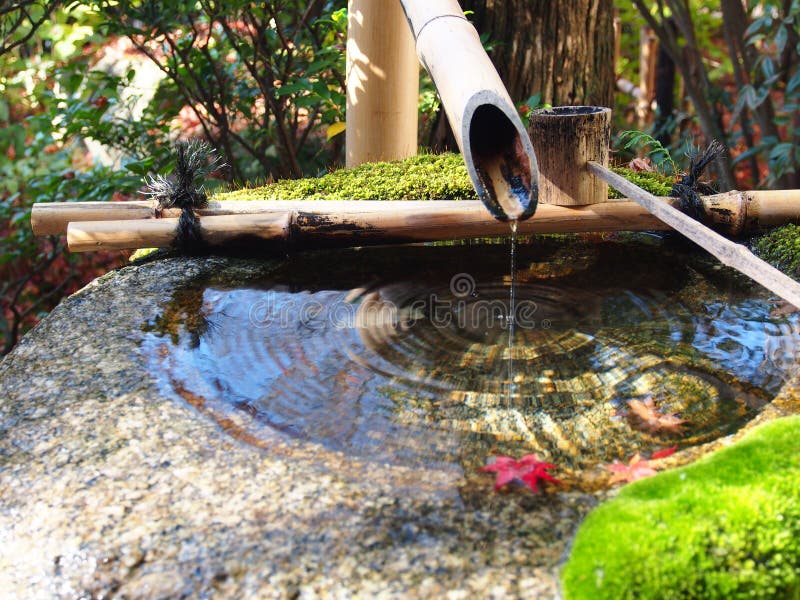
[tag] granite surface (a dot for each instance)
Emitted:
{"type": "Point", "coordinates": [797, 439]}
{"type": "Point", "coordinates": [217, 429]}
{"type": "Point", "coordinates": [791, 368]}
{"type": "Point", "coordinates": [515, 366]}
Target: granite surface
{"type": "Point", "coordinates": [109, 489]}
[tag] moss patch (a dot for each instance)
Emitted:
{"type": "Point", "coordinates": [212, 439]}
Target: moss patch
{"type": "Point", "coordinates": [422, 177]}
{"type": "Point", "coordinates": [781, 248]}
{"type": "Point", "coordinates": [727, 526]}
{"type": "Point", "coordinates": [655, 183]}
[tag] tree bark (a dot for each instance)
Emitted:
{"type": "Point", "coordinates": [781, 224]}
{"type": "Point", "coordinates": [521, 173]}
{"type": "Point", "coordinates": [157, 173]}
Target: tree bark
{"type": "Point", "coordinates": [562, 49]}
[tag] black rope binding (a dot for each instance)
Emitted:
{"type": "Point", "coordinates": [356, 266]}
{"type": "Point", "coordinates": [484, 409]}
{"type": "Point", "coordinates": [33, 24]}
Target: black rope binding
{"type": "Point", "coordinates": [689, 188]}
{"type": "Point", "coordinates": [182, 189]}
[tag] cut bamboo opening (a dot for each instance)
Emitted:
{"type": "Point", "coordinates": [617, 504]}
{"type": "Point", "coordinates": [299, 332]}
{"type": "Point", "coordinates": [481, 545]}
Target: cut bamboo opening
{"type": "Point", "coordinates": [497, 150]}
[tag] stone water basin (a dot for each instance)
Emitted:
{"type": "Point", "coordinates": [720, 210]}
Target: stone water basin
{"type": "Point", "coordinates": [313, 427]}
{"type": "Point", "coordinates": [408, 357]}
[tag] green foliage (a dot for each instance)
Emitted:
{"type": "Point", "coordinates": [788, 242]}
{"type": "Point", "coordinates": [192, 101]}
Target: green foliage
{"type": "Point", "coordinates": [531, 104]}
{"type": "Point", "coordinates": [776, 36]}
{"type": "Point", "coordinates": [727, 526]}
{"type": "Point", "coordinates": [740, 69]}
{"type": "Point", "coordinates": [422, 177]}
{"type": "Point", "coordinates": [261, 78]}
{"type": "Point", "coordinates": [781, 248]}
{"type": "Point", "coordinates": [20, 20]}
{"type": "Point", "coordinates": [660, 156]}
{"type": "Point", "coordinates": [46, 95]}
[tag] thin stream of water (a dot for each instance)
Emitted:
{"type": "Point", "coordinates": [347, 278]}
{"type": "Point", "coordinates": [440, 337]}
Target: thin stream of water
{"type": "Point", "coordinates": [512, 310]}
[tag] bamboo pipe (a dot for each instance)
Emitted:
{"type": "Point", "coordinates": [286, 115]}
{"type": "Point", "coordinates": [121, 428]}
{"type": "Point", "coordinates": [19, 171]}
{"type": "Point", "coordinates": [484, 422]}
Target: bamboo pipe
{"type": "Point", "coordinates": [497, 150]}
{"type": "Point", "coordinates": [434, 221]}
{"type": "Point", "coordinates": [732, 213]}
{"type": "Point", "coordinates": [729, 253]}
{"type": "Point", "coordinates": [310, 224]}
{"type": "Point", "coordinates": [382, 84]}
{"type": "Point", "coordinates": [160, 233]}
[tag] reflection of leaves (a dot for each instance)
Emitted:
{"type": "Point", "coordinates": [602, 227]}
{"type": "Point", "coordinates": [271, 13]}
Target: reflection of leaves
{"type": "Point", "coordinates": [529, 470]}
{"type": "Point", "coordinates": [637, 468]}
{"type": "Point", "coordinates": [185, 312]}
{"type": "Point", "coordinates": [652, 420]}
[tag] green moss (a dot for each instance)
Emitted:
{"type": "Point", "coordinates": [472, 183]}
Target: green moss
{"type": "Point", "coordinates": [781, 248]}
{"type": "Point", "coordinates": [422, 177]}
{"type": "Point", "coordinates": [655, 183]}
{"type": "Point", "coordinates": [727, 526]}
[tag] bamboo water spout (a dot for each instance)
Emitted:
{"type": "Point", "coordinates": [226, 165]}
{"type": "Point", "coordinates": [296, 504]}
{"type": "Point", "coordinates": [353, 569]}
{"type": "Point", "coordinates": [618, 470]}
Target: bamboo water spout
{"type": "Point", "coordinates": [496, 148]}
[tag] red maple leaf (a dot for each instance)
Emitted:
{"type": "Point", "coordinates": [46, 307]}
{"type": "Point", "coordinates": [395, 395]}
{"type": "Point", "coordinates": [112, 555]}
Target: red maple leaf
{"type": "Point", "coordinates": [664, 453]}
{"type": "Point", "coordinates": [528, 470]}
{"type": "Point", "coordinates": [637, 467]}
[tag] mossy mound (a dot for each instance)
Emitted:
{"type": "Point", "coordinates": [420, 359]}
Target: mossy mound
{"type": "Point", "coordinates": [727, 526]}
{"type": "Point", "coordinates": [422, 177]}
{"type": "Point", "coordinates": [655, 183]}
{"type": "Point", "coordinates": [781, 248]}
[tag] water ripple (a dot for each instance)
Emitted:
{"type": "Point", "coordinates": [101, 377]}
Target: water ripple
{"type": "Point", "coordinates": [407, 361]}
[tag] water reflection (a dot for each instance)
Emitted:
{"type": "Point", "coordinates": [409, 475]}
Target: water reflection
{"type": "Point", "coordinates": [401, 356]}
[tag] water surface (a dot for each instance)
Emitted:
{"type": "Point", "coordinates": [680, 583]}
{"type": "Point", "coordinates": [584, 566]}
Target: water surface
{"type": "Point", "coordinates": [402, 355]}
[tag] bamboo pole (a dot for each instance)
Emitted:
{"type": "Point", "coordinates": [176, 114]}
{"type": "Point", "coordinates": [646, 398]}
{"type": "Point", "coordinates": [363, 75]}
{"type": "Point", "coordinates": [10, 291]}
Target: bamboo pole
{"type": "Point", "coordinates": [728, 252]}
{"type": "Point", "coordinates": [382, 84]}
{"type": "Point", "coordinates": [160, 233]}
{"type": "Point", "coordinates": [310, 224]}
{"type": "Point", "coordinates": [732, 213]}
{"type": "Point", "coordinates": [433, 222]}
{"type": "Point", "coordinates": [497, 150]}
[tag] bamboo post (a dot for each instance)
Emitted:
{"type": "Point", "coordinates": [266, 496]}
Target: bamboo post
{"type": "Point", "coordinates": [728, 252]}
{"type": "Point", "coordinates": [382, 83]}
{"type": "Point", "coordinates": [497, 150]}
{"type": "Point", "coordinates": [565, 138]}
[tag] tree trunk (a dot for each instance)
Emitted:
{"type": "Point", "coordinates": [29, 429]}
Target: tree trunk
{"type": "Point", "coordinates": [562, 49]}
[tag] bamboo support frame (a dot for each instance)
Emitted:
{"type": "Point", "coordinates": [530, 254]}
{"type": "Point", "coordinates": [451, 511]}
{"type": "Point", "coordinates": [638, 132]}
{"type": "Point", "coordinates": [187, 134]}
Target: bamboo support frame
{"type": "Point", "coordinates": [497, 150]}
{"type": "Point", "coordinates": [324, 223]}
{"type": "Point", "coordinates": [160, 233]}
{"type": "Point", "coordinates": [732, 213]}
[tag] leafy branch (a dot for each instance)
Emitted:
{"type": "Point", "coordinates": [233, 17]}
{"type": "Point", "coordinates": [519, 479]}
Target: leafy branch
{"type": "Point", "coordinates": [658, 153]}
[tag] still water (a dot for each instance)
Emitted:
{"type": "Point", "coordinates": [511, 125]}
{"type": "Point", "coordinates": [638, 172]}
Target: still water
{"type": "Point", "coordinates": [406, 356]}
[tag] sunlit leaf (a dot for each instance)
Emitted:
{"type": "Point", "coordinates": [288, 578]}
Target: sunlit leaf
{"type": "Point", "coordinates": [335, 129]}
